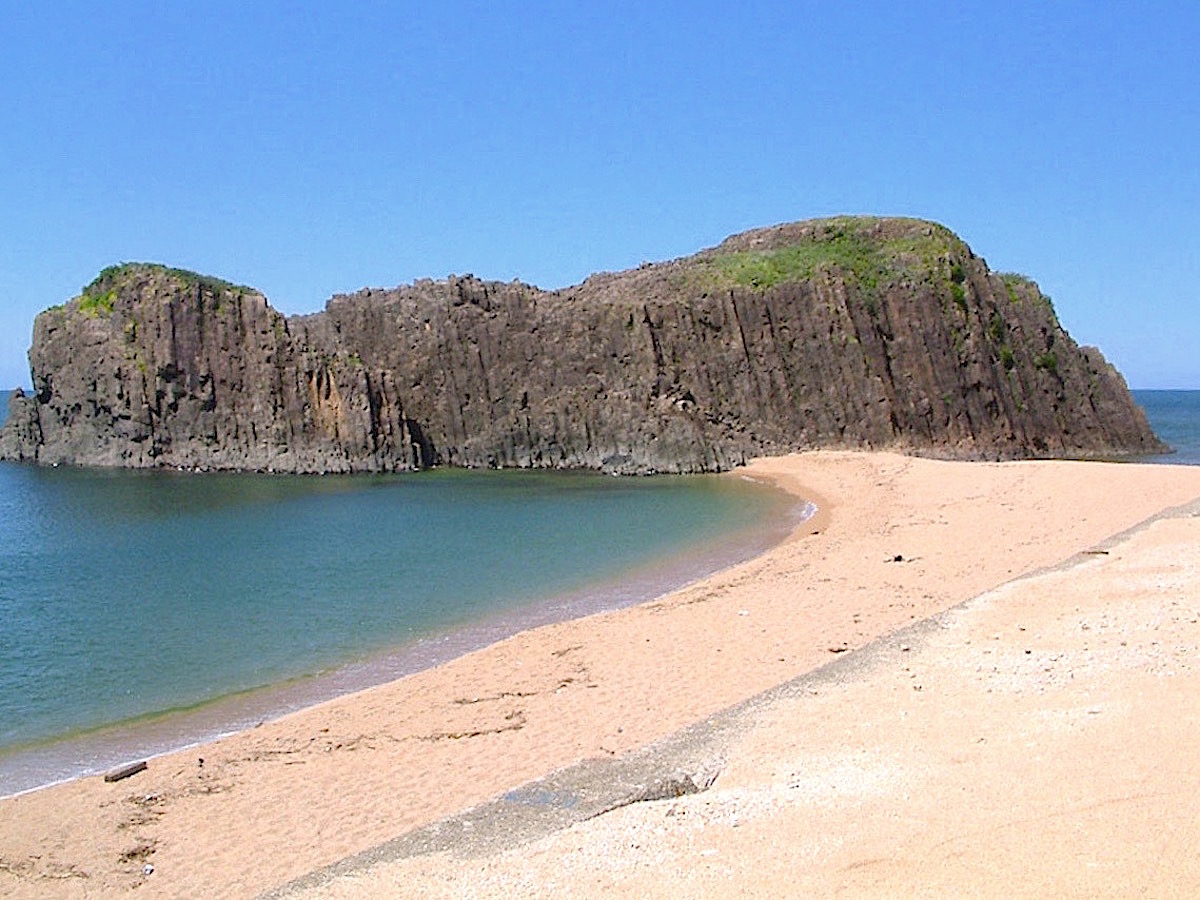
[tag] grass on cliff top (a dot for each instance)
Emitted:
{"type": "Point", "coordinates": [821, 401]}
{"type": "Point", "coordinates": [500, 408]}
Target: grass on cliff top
{"type": "Point", "coordinates": [846, 244]}
{"type": "Point", "coordinates": [93, 297]}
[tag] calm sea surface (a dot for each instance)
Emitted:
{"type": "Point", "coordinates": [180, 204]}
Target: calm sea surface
{"type": "Point", "coordinates": [1175, 418]}
{"type": "Point", "coordinates": [223, 599]}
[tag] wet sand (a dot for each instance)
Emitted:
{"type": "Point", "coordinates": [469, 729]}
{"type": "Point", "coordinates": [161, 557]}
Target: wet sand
{"type": "Point", "coordinates": [896, 541]}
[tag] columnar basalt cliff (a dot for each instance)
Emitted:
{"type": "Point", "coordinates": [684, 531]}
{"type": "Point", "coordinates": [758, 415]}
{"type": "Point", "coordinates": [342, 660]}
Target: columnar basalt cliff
{"type": "Point", "coordinates": [848, 332]}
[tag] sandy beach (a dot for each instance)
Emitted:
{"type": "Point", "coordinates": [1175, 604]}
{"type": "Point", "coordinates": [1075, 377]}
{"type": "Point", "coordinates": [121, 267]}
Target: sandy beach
{"type": "Point", "coordinates": [1028, 727]}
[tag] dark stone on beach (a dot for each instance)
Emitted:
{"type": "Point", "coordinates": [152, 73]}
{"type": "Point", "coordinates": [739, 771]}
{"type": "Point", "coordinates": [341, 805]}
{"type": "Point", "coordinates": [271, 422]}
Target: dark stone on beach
{"type": "Point", "coordinates": [124, 772]}
{"type": "Point", "coordinates": [846, 333]}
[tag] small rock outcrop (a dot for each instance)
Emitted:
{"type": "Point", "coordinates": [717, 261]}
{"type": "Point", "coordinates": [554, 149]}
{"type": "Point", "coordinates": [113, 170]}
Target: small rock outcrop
{"type": "Point", "coordinates": [847, 332]}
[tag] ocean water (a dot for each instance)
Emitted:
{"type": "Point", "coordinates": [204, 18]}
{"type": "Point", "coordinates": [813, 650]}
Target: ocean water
{"type": "Point", "coordinates": [141, 611]}
{"type": "Point", "coordinates": [1175, 418]}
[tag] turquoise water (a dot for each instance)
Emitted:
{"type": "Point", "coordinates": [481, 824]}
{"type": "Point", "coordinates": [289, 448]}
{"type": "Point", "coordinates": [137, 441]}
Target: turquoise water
{"type": "Point", "coordinates": [128, 595]}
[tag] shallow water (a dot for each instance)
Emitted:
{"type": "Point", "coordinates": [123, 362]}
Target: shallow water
{"type": "Point", "coordinates": [125, 596]}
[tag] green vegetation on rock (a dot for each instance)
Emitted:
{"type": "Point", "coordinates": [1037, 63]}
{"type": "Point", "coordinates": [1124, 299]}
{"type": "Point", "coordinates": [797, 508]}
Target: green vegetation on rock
{"type": "Point", "coordinates": [1020, 288]}
{"type": "Point", "coordinates": [846, 245]}
{"type": "Point", "coordinates": [1047, 361]}
{"type": "Point", "coordinates": [111, 276]}
{"type": "Point", "coordinates": [1016, 283]}
{"type": "Point", "coordinates": [98, 304]}
{"type": "Point", "coordinates": [959, 295]}
{"type": "Point", "coordinates": [866, 251]}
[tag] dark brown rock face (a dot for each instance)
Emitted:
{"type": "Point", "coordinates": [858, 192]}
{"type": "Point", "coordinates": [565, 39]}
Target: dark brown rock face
{"type": "Point", "coordinates": [849, 332]}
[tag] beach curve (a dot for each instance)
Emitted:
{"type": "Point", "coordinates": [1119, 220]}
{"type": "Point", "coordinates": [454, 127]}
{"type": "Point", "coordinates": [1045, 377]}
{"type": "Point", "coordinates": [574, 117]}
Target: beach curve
{"type": "Point", "coordinates": [887, 548]}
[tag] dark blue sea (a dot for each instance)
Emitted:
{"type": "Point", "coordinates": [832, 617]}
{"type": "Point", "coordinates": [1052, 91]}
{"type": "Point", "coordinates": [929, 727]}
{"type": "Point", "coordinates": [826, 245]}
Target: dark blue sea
{"type": "Point", "coordinates": [1175, 418]}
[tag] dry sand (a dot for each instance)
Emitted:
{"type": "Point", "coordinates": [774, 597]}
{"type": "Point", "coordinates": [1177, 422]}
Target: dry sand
{"type": "Point", "coordinates": [961, 762]}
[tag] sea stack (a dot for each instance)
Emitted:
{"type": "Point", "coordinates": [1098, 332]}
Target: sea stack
{"type": "Point", "coordinates": [852, 332]}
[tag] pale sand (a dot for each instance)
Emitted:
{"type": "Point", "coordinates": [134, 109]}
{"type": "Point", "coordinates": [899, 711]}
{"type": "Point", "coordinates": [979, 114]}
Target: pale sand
{"type": "Point", "coordinates": [1065, 768]}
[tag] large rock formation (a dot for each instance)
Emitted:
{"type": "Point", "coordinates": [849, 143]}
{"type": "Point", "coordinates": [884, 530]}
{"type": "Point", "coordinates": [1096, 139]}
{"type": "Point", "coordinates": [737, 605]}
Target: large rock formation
{"type": "Point", "coordinates": [848, 332]}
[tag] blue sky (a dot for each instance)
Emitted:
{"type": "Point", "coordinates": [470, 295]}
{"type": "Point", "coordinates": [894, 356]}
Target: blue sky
{"type": "Point", "coordinates": [313, 148]}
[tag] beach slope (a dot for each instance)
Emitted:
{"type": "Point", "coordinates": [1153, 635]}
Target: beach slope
{"type": "Point", "coordinates": [986, 739]}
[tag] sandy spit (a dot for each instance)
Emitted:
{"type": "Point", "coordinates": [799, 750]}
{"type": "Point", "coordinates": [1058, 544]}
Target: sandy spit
{"type": "Point", "coordinates": [1036, 739]}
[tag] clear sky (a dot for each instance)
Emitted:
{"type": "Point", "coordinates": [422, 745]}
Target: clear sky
{"type": "Point", "coordinates": [313, 148]}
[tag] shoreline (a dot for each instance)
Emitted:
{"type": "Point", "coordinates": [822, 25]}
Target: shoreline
{"type": "Point", "coordinates": [885, 549]}
{"type": "Point", "coordinates": [97, 750]}
{"type": "Point", "coordinates": [929, 789]}
{"type": "Point", "coordinates": [958, 774]}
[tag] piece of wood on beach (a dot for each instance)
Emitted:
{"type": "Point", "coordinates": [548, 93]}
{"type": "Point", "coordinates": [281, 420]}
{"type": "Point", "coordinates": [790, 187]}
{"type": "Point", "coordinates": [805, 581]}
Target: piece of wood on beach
{"type": "Point", "coordinates": [125, 771]}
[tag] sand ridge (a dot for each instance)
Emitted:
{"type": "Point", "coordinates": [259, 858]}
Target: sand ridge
{"type": "Point", "coordinates": [897, 540]}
